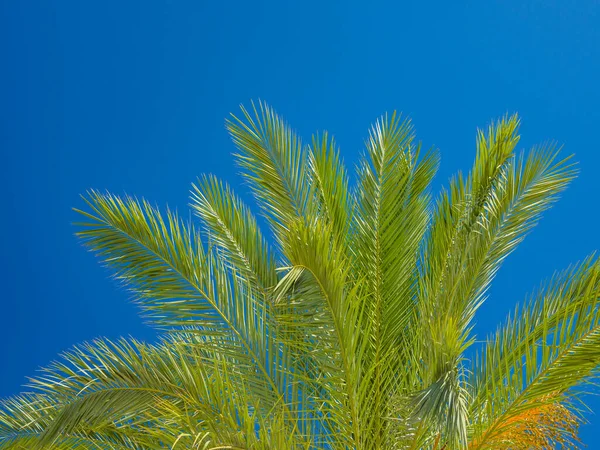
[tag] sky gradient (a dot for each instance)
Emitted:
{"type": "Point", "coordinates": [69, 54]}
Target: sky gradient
{"type": "Point", "coordinates": [131, 97]}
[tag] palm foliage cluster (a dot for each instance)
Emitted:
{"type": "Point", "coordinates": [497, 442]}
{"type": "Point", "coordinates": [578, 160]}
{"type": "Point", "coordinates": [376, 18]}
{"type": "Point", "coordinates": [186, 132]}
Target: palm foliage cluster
{"type": "Point", "coordinates": [347, 326]}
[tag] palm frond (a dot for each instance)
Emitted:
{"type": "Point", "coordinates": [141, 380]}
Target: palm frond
{"type": "Point", "coordinates": [232, 227]}
{"type": "Point", "coordinates": [547, 348]}
{"type": "Point", "coordinates": [318, 316]}
{"type": "Point", "coordinates": [24, 421]}
{"type": "Point", "coordinates": [154, 392]}
{"type": "Point", "coordinates": [330, 182]}
{"type": "Point", "coordinates": [391, 217]}
{"type": "Point", "coordinates": [182, 285]}
{"type": "Point", "coordinates": [274, 162]}
{"type": "Point", "coordinates": [459, 216]}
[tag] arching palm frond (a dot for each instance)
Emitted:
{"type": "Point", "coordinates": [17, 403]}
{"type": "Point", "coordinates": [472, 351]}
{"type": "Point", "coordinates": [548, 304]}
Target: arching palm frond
{"type": "Point", "coordinates": [145, 396]}
{"type": "Point", "coordinates": [545, 350]}
{"type": "Point", "coordinates": [181, 284]}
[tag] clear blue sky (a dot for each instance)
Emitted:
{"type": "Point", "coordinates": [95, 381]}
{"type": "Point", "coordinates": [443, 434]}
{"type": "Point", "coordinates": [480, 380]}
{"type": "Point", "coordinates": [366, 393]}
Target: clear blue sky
{"type": "Point", "coordinates": [132, 96]}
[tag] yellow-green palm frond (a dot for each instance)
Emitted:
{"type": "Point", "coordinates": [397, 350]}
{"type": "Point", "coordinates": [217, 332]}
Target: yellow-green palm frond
{"type": "Point", "coordinates": [390, 219]}
{"type": "Point", "coordinates": [547, 349]}
{"type": "Point", "coordinates": [182, 285]}
{"type": "Point", "coordinates": [140, 396]}
{"type": "Point", "coordinates": [317, 315]}
{"type": "Point", "coordinates": [458, 217]}
{"type": "Point", "coordinates": [330, 182]}
{"type": "Point", "coordinates": [233, 229]}
{"type": "Point", "coordinates": [476, 225]}
{"type": "Point", "coordinates": [25, 419]}
{"type": "Point", "coordinates": [274, 162]}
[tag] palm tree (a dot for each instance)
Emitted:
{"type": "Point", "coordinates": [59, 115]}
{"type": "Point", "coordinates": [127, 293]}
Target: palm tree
{"type": "Point", "coordinates": [350, 326]}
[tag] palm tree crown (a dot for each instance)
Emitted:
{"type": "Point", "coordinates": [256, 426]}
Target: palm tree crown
{"type": "Point", "coordinates": [347, 326]}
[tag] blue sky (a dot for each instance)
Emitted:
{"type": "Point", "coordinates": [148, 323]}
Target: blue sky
{"type": "Point", "coordinates": [132, 97]}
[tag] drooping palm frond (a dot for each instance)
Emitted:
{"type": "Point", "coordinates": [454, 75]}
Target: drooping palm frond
{"type": "Point", "coordinates": [130, 394]}
{"type": "Point", "coordinates": [319, 310]}
{"type": "Point", "coordinates": [347, 331]}
{"type": "Point", "coordinates": [25, 419]}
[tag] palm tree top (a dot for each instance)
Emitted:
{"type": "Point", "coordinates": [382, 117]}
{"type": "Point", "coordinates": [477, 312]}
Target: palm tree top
{"type": "Point", "coordinates": [347, 325]}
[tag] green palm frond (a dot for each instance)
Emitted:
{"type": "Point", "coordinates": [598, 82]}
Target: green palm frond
{"type": "Point", "coordinates": [181, 284]}
{"type": "Point", "coordinates": [461, 213]}
{"type": "Point", "coordinates": [314, 300]}
{"type": "Point", "coordinates": [330, 182]}
{"type": "Point", "coordinates": [175, 280]}
{"type": "Point", "coordinates": [152, 394]}
{"type": "Point", "coordinates": [24, 419]}
{"type": "Point", "coordinates": [232, 227]}
{"type": "Point", "coordinates": [274, 162]}
{"type": "Point", "coordinates": [476, 225]}
{"type": "Point", "coordinates": [31, 420]}
{"type": "Point", "coordinates": [546, 348]}
{"type": "Point", "coordinates": [161, 259]}
{"type": "Point", "coordinates": [390, 221]}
